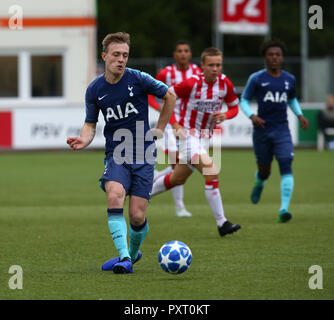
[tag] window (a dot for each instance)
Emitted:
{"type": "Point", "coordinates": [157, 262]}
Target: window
{"type": "Point", "coordinates": [9, 76]}
{"type": "Point", "coordinates": [32, 75]}
{"type": "Point", "coordinates": [46, 76]}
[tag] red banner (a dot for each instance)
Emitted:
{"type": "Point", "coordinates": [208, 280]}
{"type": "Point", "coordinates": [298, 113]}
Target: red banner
{"type": "Point", "coordinates": [5, 129]}
{"type": "Point", "coordinates": [244, 16]}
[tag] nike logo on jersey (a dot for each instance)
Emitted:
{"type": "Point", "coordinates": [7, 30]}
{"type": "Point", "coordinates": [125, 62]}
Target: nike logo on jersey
{"type": "Point", "coordinates": [100, 98]}
{"type": "Point", "coordinates": [264, 84]}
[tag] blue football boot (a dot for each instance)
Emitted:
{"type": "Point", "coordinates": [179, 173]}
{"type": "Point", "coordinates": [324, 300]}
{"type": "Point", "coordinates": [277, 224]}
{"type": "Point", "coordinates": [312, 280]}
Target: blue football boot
{"type": "Point", "coordinates": [284, 216]}
{"type": "Point", "coordinates": [256, 194]}
{"type": "Point", "coordinates": [123, 266]}
{"type": "Point", "coordinates": [107, 266]}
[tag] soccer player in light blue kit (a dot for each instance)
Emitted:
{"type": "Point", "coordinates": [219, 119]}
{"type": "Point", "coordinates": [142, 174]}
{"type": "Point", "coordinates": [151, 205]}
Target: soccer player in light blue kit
{"type": "Point", "coordinates": [274, 90]}
{"type": "Point", "coordinates": [120, 93]}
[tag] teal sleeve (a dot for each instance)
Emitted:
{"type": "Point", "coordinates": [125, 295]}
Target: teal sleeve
{"type": "Point", "coordinates": [294, 105]}
{"type": "Point", "coordinates": [245, 107]}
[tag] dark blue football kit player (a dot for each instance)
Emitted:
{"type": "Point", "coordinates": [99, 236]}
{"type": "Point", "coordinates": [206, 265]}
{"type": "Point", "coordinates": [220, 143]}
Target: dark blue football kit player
{"type": "Point", "coordinates": [120, 93]}
{"type": "Point", "coordinates": [274, 90]}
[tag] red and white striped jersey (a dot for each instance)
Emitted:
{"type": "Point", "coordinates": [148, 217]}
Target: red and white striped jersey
{"type": "Point", "coordinates": [171, 76]}
{"type": "Point", "coordinates": [202, 98]}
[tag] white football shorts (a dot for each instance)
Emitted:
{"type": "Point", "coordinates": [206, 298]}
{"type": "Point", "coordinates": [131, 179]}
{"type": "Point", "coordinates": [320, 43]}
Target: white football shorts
{"type": "Point", "coordinates": [191, 148]}
{"type": "Point", "coordinates": [169, 142]}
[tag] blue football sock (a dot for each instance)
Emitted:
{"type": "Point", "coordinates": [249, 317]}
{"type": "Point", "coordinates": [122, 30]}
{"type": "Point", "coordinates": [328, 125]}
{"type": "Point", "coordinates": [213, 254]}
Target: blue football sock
{"type": "Point", "coordinates": [258, 182]}
{"type": "Point", "coordinates": [287, 183]}
{"type": "Point", "coordinates": [137, 236]}
{"type": "Point", "coordinates": [118, 230]}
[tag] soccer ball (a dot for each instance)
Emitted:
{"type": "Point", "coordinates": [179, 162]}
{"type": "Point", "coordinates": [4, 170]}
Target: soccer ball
{"type": "Point", "coordinates": [175, 257]}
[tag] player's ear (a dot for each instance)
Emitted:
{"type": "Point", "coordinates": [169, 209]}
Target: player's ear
{"type": "Point", "coordinates": [103, 55]}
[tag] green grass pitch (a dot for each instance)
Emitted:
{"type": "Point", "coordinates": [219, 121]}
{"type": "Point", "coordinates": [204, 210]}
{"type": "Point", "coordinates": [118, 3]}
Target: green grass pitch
{"type": "Point", "coordinates": [53, 223]}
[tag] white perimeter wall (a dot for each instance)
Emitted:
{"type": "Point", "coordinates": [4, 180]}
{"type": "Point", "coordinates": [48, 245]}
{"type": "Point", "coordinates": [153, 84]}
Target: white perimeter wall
{"type": "Point", "coordinates": [37, 128]}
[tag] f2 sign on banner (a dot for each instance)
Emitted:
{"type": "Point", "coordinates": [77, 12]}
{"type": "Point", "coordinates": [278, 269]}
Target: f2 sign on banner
{"type": "Point", "coordinates": [244, 16]}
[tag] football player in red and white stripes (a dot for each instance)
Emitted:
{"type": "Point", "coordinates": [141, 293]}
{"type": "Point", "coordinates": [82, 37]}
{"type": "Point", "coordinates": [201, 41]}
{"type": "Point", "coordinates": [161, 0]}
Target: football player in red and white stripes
{"type": "Point", "coordinates": [172, 75]}
{"type": "Point", "coordinates": [204, 96]}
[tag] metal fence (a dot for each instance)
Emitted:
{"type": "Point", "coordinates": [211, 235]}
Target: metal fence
{"type": "Point", "coordinates": [319, 83]}
{"type": "Point", "coordinates": [237, 69]}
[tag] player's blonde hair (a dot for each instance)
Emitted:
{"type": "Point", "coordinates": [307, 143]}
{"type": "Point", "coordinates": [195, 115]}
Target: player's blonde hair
{"type": "Point", "coordinates": [118, 37]}
{"type": "Point", "coordinates": [212, 52]}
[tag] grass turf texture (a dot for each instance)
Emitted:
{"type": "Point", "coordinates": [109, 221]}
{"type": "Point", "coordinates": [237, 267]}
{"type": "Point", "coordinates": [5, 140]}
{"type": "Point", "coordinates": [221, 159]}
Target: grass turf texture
{"type": "Point", "coordinates": [53, 223]}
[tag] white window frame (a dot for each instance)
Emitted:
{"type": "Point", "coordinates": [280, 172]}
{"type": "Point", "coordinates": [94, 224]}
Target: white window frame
{"type": "Point", "coordinates": [24, 78]}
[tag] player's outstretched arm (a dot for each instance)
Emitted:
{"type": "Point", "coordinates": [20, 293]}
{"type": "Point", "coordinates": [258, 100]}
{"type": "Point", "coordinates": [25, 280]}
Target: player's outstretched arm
{"type": "Point", "coordinates": [179, 131]}
{"type": "Point", "coordinates": [153, 103]}
{"type": "Point", "coordinates": [303, 122]}
{"type": "Point", "coordinates": [86, 137]}
{"type": "Point", "coordinates": [294, 105]}
{"type": "Point", "coordinates": [167, 110]}
{"type": "Point", "coordinates": [218, 117]}
{"type": "Point", "coordinates": [257, 121]}
{"type": "Point", "coordinates": [245, 107]}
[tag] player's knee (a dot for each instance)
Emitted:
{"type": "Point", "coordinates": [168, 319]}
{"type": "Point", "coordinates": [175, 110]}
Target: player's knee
{"type": "Point", "coordinates": [264, 172]}
{"type": "Point", "coordinates": [137, 217]}
{"type": "Point", "coordinates": [115, 198]}
{"type": "Point", "coordinates": [264, 175]}
{"type": "Point", "coordinates": [285, 165]}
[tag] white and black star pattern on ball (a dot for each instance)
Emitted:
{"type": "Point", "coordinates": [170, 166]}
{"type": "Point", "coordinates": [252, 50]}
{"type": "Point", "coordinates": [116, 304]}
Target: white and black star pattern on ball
{"type": "Point", "coordinates": [175, 257]}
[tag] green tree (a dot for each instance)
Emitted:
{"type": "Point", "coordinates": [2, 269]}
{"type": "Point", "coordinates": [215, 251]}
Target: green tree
{"type": "Point", "coordinates": [155, 25]}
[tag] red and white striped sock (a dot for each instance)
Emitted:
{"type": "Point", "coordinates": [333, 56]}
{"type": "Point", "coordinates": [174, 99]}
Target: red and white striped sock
{"type": "Point", "coordinates": [161, 184]}
{"type": "Point", "coordinates": [212, 194]}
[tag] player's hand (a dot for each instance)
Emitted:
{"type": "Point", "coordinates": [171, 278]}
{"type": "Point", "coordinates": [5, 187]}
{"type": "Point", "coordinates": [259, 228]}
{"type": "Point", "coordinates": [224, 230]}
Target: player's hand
{"type": "Point", "coordinates": [179, 131]}
{"type": "Point", "coordinates": [76, 143]}
{"type": "Point", "coordinates": [257, 121]}
{"type": "Point", "coordinates": [303, 122]}
{"type": "Point", "coordinates": [218, 117]}
{"type": "Point", "coordinates": [157, 133]}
